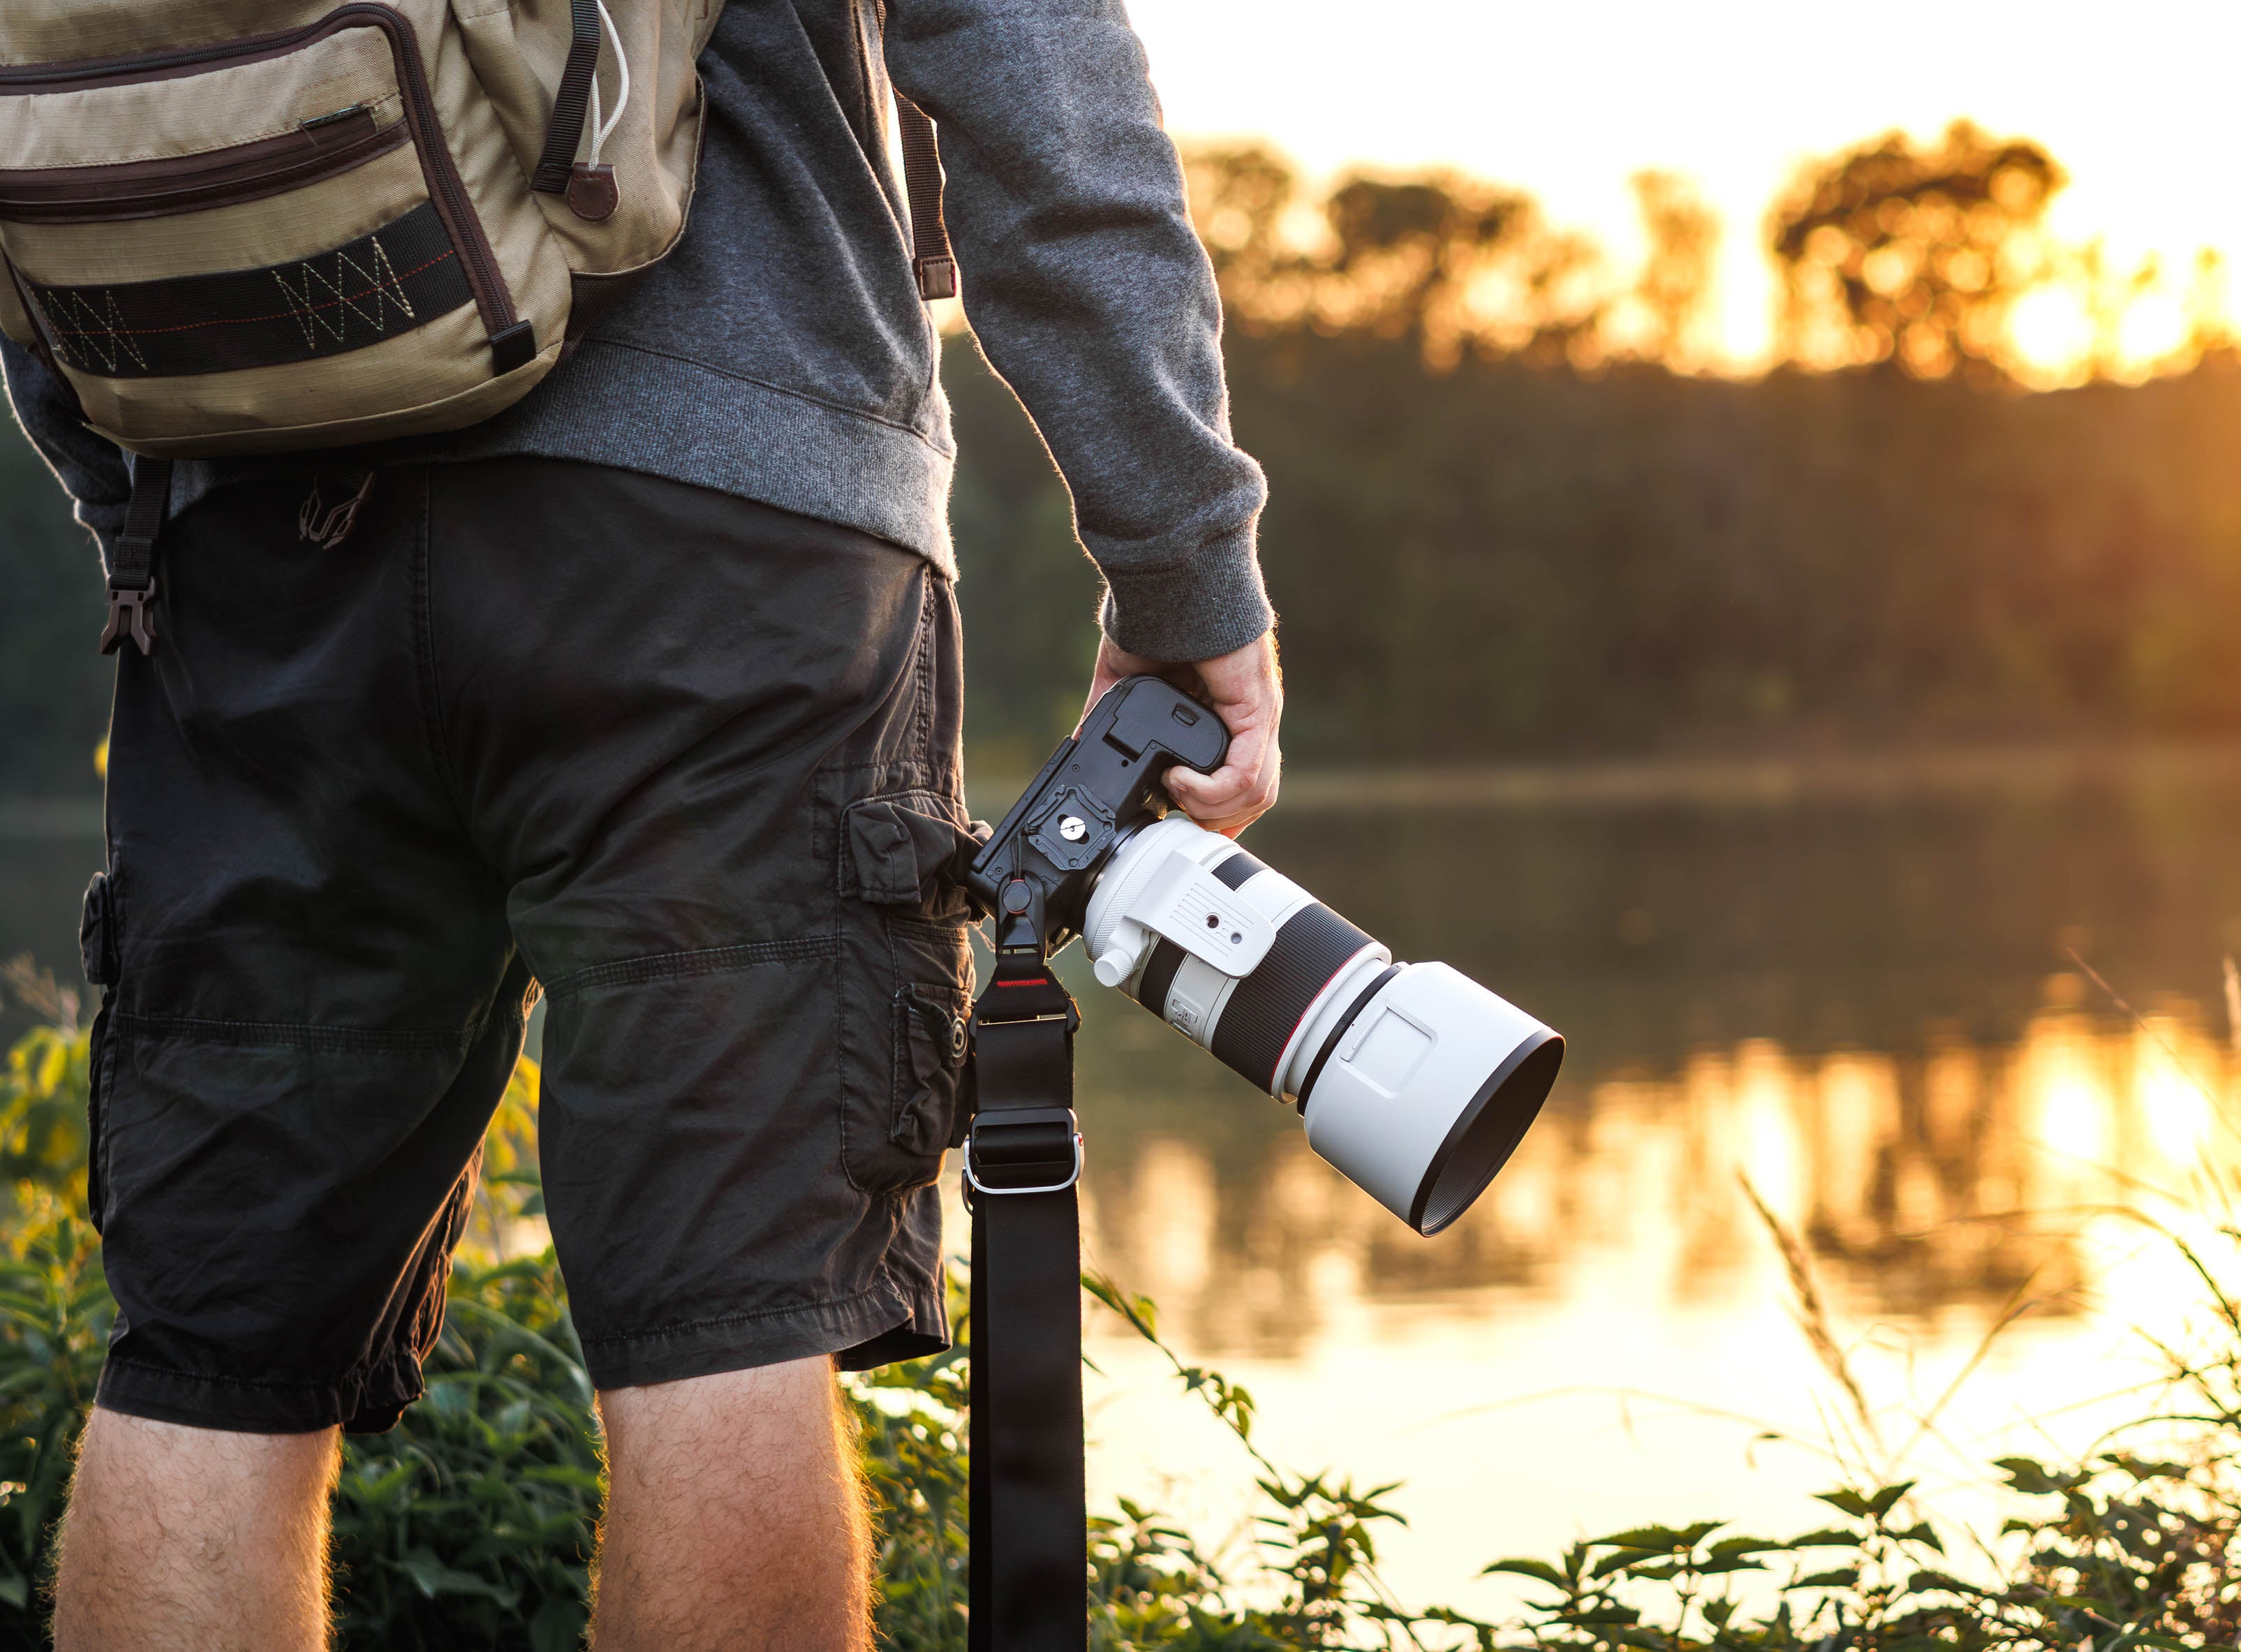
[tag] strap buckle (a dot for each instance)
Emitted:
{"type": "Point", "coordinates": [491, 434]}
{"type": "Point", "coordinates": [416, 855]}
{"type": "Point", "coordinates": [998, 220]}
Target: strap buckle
{"type": "Point", "coordinates": [1025, 1157]}
{"type": "Point", "coordinates": [128, 618]}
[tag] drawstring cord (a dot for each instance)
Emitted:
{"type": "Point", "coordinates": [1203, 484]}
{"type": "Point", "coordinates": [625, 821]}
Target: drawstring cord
{"type": "Point", "coordinates": [601, 132]}
{"type": "Point", "coordinates": [327, 529]}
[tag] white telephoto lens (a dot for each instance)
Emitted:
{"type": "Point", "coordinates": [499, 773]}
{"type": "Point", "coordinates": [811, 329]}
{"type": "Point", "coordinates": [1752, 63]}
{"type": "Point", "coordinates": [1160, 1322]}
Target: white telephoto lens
{"type": "Point", "coordinates": [1429, 1091]}
{"type": "Point", "coordinates": [1416, 1082]}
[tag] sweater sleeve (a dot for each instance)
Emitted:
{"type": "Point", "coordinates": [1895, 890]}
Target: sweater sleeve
{"type": "Point", "coordinates": [91, 467]}
{"type": "Point", "coordinates": [1090, 294]}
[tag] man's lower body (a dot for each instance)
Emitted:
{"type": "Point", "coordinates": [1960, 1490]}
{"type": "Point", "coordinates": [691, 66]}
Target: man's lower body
{"type": "Point", "coordinates": [692, 764]}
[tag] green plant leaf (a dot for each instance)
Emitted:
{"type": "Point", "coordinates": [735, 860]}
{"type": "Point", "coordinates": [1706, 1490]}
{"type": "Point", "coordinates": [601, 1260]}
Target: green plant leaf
{"type": "Point", "coordinates": [433, 1578]}
{"type": "Point", "coordinates": [1849, 1502]}
{"type": "Point", "coordinates": [1539, 1570]}
{"type": "Point", "coordinates": [2035, 1479]}
{"type": "Point", "coordinates": [1662, 1539]}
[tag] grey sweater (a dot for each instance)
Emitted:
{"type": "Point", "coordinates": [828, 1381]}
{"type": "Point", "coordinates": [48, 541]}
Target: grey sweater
{"type": "Point", "coordinates": [781, 352]}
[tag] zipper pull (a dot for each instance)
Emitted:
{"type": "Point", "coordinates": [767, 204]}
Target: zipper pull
{"type": "Point", "coordinates": [592, 193]}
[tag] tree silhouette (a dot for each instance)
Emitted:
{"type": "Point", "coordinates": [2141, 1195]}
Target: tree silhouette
{"type": "Point", "coordinates": [1913, 255]}
{"type": "Point", "coordinates": [1674, 287]}
{"type": "Point", "coordinates": [1439, 259]}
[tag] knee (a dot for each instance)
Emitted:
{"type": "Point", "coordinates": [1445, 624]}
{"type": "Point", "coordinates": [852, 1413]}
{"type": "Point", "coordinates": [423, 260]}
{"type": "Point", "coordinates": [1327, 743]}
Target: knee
{"type": "Point", "coordinates": [745, 1426]}
{"type": "Point", "coordinates": [141, 1449]}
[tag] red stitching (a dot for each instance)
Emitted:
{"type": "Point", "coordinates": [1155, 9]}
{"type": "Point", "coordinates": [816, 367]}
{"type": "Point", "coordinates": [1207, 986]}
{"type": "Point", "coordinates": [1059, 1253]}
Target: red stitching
{"type": "Point", "coordinates": [237, 321]}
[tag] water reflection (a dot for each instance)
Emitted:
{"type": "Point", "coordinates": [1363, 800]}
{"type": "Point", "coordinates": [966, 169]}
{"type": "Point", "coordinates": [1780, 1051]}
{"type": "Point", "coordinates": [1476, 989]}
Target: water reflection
{"type": "Point", "coordinates": [1867, 1005]}
{"type": "Point", "coordinates": [1959, 1176]}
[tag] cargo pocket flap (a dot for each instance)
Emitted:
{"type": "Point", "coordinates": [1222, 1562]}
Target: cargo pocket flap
{"type": "Point", "coordinates": [900, 853]}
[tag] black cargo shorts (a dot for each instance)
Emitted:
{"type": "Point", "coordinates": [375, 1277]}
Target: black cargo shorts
{"type": "Point", "coordinates": [689, 763]}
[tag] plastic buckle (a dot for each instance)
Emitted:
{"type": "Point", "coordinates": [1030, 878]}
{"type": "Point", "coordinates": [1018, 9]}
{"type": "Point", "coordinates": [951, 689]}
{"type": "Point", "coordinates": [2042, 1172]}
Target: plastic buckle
{"type": "Point", "coordinates": [1005, 1118]}
{"type": "Point", "coordinates": [128, 619]}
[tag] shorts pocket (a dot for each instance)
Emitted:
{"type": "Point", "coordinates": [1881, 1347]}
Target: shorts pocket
{"type": "Point", "coordinates": [907, 849]}
{"type": "Point", "coordinates": [97, 942]}
{"type": "Point", "coordinates": [908, 984]}
{"type": "Point", "coordinates": [96, 1083]}
{"type": "Point", "coordinates": [931, 1039]}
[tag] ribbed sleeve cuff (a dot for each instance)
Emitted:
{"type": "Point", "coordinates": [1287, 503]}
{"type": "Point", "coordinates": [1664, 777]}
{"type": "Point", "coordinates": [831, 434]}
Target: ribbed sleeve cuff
{"type": "Point", "coordinates": [1187, 611]}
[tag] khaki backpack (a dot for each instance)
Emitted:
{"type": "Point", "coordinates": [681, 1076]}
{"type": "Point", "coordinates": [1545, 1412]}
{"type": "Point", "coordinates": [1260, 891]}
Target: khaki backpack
{"type": "Point", "coordinates": [239, 226]}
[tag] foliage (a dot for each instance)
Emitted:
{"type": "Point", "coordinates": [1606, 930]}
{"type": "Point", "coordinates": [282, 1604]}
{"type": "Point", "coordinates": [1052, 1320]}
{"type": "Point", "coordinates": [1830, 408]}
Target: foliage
{"type": "Point", "coordinates": [1914, 254]}
{"type": "Point", "coordinates": [42, 1087]}
{"type": "Point", "coordinates": [1439, 261]}
{"type": "Point", "coordinates": [470, 1524]}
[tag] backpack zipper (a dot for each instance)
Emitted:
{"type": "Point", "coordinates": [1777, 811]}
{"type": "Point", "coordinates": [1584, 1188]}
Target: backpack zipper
{"type": "Point", "coordinates": [255, 171]}
{"type": "Point", "coordinates": [445, 188]}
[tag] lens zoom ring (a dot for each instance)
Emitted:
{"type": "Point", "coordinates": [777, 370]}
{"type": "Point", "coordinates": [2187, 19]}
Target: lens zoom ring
{"type": "Point", "coordinates": [1265, 1008]}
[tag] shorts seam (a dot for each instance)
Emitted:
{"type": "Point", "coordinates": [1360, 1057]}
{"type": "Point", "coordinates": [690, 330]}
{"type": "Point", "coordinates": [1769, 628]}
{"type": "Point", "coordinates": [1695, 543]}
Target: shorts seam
{"type": "Point", "coordinates": [686, 1327]}
{"type": "Point", "coordinates": [211, 1379]}
{"type": "Point", "coordinates": [709, 960]}
{"type": "Point", "coordinates": [303, 1036]}
{"type": "Point", "coordinates": [922, 730]}
{"type": "Point", "coordinates": [422, 562]}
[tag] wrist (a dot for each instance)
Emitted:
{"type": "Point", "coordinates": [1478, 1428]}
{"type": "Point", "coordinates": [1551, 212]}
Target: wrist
{"type": "Point", "coordinates": [1182, 613]}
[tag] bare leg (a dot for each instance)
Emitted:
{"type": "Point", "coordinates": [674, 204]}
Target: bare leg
{"type": "Point", "coordinates": [735, 1517]}
{"type": "Point", "coordinates": [192, 1540]}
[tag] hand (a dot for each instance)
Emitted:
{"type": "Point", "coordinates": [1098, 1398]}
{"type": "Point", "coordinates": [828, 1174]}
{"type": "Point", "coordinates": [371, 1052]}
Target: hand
{"type": "Point", "coordinates": [1246, 690]}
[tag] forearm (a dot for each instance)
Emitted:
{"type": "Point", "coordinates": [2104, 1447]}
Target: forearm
{"type": "Point", "coordinates": [1092, 296]}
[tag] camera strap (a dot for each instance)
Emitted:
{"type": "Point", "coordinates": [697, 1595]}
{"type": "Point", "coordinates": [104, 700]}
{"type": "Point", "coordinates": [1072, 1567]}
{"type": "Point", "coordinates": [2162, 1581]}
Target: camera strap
{"type": "Point", "coordinates": [1030, 1548]}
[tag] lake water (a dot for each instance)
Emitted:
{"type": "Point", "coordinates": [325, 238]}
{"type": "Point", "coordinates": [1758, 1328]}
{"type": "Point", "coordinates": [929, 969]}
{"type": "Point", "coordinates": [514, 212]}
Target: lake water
{"type": "Point", "coordinates": [1850, 983]}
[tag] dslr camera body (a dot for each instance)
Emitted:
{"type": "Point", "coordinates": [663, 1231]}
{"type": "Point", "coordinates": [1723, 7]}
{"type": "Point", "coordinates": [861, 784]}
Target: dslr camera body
{"type": "Point", "coordinates": [1415, 1082]}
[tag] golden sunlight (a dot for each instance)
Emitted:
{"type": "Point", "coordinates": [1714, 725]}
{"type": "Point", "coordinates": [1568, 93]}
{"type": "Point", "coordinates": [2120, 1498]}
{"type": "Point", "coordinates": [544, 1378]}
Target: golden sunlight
{"type": "Point", "coordinates": [1568, 103]}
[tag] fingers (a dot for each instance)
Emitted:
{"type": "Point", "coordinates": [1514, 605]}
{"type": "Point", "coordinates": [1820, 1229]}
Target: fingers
{"type": "Point", "coordinates": [1246, 690]}
{"type": "Point", "coordinates": [1113, 662]}
{"type": "Point", "coordinates": [1237, 794]}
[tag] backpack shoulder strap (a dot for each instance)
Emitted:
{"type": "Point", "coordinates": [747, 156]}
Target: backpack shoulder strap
{"type": "Point", "coordinates": [932, 261]}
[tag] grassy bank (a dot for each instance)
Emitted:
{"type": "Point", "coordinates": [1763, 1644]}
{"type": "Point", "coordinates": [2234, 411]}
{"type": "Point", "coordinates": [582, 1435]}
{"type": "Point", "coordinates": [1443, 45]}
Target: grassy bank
{"type": "Point", "coordinates": [470, 1524]}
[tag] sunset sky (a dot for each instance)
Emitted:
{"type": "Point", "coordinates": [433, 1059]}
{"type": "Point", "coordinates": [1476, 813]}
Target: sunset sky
{"type": "Point", "coordinates": [2138, 102]}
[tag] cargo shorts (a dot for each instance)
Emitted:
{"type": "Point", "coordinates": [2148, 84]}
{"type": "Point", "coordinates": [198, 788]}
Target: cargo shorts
{"type": "Point", "coordinates": [687, 765]}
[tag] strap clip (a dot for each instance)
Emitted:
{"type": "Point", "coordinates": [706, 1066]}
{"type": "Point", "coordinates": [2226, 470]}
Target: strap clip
{"type": "Point", "coordinates": [1028, 1157]}
{"type": "Point", "coordinates": [128, 618]}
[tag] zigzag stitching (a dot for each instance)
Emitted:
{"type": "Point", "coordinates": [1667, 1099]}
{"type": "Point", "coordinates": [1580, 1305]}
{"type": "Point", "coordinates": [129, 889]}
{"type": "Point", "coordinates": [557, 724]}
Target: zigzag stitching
{"type": "Point", "coordinates": [381, 284]}
{"type": "Point", "coordinates": [95, 325]}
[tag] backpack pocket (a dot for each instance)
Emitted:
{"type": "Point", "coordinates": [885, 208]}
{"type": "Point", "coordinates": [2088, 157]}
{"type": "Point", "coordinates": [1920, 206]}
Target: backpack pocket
{"type": "Point", "coordinates": [271, 243]}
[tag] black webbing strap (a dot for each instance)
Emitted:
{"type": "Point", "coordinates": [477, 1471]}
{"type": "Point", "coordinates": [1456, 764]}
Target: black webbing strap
{"type": "Point", "coordinates": [133, 563]}
{"type": "Point", "coordinates": [565, 132]}
{"type": "Point", "coordinates": [389, 281]}
{"type": "Point", "coordinates": [932, 262]}
{"type": "Point", "coordinates": [1030, 1553]}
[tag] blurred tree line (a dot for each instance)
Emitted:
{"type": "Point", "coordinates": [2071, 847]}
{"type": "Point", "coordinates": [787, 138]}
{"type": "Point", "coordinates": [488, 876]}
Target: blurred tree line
{"type": "Point", "coordinates": [1512, 514]}
{"type": "Point", "coordinates": [1516, 512]}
